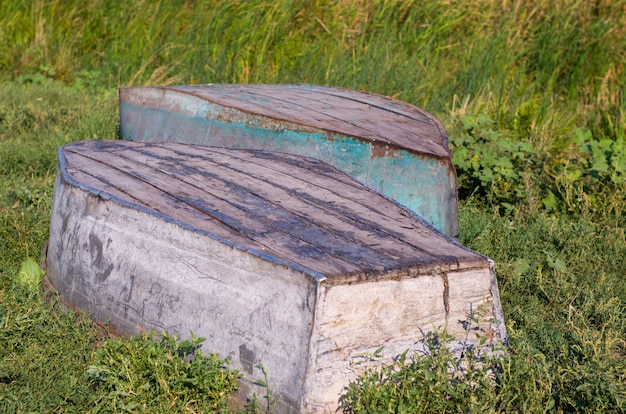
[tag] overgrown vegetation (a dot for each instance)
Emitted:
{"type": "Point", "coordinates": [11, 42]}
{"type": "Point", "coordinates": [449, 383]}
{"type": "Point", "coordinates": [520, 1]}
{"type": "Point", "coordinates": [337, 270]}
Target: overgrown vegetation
{"type": "Point", "coordinates": [149, 375]}
{"type": "Point", "coordinates": [532, 94]}
{"type": "Point", "coordinates": [447, 374]}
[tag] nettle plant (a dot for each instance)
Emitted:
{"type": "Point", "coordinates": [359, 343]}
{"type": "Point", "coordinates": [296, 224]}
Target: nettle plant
{"type": "Point", "coordinates": [489, 164]}
{"type": "Point", "coordinates": [589, 176]}
{"type": "Point", "coordinates": [593, 175]}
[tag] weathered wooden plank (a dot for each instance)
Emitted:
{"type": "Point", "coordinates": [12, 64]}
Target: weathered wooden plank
{"type": "Point", "coordinates": [393, 147]}
{"type": "Point", "coordinates": [350, 201]}
{"type": "Point", "coordinates": [128, 187]}
{"type": "Point", "coordinates": [334, 234]}
{"type": "Point", "coordinates": [342, 199]}
{"type": "Point", "coordinates": [166, 194]}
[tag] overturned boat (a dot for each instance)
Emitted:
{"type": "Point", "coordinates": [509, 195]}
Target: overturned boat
{"type": "Point", "coordinates": [276, 259]}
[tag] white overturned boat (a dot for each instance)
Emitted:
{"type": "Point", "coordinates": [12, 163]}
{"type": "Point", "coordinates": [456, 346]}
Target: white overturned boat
{"type": "Point", "coordinates": [276, 259]}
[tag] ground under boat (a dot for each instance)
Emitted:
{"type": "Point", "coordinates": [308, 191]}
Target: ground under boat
{"type": "Point", "coordinates": [394, 147]}
{"type": "Point", "coordinates": [275, 259]}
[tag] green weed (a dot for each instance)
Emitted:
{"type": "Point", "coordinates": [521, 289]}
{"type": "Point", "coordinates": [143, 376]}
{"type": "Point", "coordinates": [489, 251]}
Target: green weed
{"type": "Point", "coordinates": [254, 406]}
{"type": "Point", "coordinates": [159, 374]}
{"type": "Point", "coordinates": [447, 375]}
{"type": "Point", "coordinates": [494, 167]}
{"type": "Point", "coordinates": [490, 166]}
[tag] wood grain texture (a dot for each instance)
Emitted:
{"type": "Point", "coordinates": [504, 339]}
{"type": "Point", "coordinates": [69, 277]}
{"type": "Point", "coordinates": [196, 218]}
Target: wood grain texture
{"type": "Point", "coordinates": [296, 209]}
{"type": "Point", "coordinates": [361, 115]}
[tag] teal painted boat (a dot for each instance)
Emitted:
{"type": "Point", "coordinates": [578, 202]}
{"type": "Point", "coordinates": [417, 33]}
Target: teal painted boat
{"type": "Point", "coordinates": [391, 146]}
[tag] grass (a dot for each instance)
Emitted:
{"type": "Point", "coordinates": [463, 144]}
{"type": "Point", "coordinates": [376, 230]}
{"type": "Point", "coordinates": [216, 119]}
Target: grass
{"type": "Point", "coordinates": [531, 92]}
{"type": "Point", "coordinates": [560, 279]}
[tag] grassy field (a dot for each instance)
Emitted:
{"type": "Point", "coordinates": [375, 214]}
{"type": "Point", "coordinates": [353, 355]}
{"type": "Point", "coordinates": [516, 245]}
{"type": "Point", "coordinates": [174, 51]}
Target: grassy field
{"type": "Point", "coordinates": [533, 94]}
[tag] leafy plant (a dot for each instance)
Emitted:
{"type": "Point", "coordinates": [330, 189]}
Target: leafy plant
{"type": "Point", "coordinates": [592, 177]}
{"type": "Point", "coordinates": [149, 373]}
{"type": "Point", "coordinates": [29, 277]}
{"type": "Point", "coordinates": [505, 172]}
{"type": "Point", "coordinates": [270, 400]}
{"type": "Point", "coordinates": [489, 164]}
{"type": "Point", "coordinates": [444, 377]}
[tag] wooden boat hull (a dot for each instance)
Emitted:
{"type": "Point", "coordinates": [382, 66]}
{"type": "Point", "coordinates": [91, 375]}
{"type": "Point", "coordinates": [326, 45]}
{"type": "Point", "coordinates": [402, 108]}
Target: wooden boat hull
{"type": "Point", "coordinates": [276, 259]}
{"type": "Point", "coordinates": [396, 148]}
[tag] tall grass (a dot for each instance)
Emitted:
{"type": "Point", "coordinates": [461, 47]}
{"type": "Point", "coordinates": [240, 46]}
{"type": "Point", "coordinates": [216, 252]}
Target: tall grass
{"type": "Point", "coordinates": [564, 56]}
{"type": "Point", "coordinates": [533, 94]}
